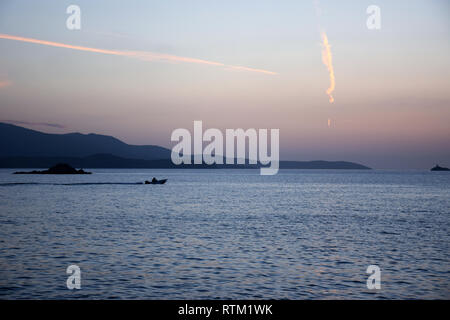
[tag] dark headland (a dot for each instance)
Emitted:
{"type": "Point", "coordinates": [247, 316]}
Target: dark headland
{"type": "Point", "coordinates": [60, 168]}
{"type": "Point", "coordinates": [25, 148]}
{"type": "Point", "coordinates": [438, 168]}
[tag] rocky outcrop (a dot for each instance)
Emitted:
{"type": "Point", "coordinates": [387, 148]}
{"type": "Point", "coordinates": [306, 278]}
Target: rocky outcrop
{"type": "Point", "coordinates": [61, 168]}
{"type": "Point", "coordinates": [438, 168]}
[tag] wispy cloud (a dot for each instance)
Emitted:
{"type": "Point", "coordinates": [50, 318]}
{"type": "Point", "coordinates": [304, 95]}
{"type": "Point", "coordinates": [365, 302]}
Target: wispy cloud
{"type": "Point", "coordinates": [141, 55]}
{"type": "Point", "coordinates": [26, 123]}
{"type": "Point", "coordinates": [328, 62]}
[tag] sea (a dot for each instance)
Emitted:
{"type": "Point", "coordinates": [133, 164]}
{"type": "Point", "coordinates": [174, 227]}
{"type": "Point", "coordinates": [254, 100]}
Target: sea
{"type": "Point", "coordinates": [225, 234]}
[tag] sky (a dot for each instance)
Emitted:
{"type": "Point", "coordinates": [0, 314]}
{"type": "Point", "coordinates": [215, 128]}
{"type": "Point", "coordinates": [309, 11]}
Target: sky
{"type": "Point", "coordinates": [138, 70]}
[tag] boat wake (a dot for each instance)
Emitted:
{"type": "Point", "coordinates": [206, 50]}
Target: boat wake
{"type": "Point", "coordinates": [67, 184]}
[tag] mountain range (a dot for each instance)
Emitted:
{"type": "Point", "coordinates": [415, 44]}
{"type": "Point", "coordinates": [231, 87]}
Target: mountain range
{"type": "Point", "coordinates": [19, 141]}
{"type": "Point", "coordinates": [25, 148]}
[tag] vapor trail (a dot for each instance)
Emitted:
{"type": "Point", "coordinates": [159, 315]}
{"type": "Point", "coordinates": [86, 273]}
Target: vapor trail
{"type": "Point", "coordinates": [141, 55]}
{"type": "Point", "coordinates": [328, 62]}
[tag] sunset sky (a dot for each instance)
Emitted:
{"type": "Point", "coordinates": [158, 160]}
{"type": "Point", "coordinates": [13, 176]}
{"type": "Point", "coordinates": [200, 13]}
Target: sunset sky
{"type": "Point", "coordinates": [137, 70]}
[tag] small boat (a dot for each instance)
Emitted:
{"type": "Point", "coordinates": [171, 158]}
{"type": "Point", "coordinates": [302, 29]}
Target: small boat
{"type": "Point", "coordinates": [438, 168]}
{"type": "Point", "coordinates": [155, 181]}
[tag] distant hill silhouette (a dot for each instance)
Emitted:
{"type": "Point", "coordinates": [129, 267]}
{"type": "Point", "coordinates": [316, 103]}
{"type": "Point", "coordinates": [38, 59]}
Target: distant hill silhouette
{"type": "Point", "coordinates": [19, 141]}
{"type": "Point", "coordinates": [25, 148]}
{"type": "Point", "coordinates": [111, 161]}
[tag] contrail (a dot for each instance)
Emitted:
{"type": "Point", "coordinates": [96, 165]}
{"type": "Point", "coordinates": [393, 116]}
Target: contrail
{"type": "Point", "coordinates": [326, 52]}
{"type": "Point", "coordinates": [328, 62]}
{"type": "Point", "coordinates": [141, 55]}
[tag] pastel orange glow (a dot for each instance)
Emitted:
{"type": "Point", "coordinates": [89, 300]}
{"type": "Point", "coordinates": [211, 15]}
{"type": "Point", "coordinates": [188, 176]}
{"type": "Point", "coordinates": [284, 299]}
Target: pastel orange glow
{"type": "Point", "coordinates": [142, 55]}
{"type": "Point", "coordinates": [4, 83]}
{"type": "Point", "coordinates": [328, 62]}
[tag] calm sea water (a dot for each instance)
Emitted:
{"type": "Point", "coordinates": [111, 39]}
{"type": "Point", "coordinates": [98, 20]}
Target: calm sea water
{"type": "Point", "coordinates": [302, 234]}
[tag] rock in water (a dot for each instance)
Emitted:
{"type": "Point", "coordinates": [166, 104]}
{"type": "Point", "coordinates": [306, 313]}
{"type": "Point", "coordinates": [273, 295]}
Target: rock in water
{"type": "Point", "coordinates": [438, 168]}
{"type": "Point", "coordinates": [60, 168]}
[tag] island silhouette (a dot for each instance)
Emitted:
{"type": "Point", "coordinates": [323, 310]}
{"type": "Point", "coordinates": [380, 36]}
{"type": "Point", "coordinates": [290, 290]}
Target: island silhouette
{"type": "Point", "coordinates": [25, 148]}
{"type": "Point", "coordinates": [60, 168]}
{"type": "Point", "coordinates": [438, 168]}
